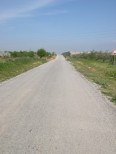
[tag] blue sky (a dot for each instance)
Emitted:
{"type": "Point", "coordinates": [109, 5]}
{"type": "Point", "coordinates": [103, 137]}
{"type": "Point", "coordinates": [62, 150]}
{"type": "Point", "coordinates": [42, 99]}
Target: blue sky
{"type": "Point", "coordinates": [58, 25]}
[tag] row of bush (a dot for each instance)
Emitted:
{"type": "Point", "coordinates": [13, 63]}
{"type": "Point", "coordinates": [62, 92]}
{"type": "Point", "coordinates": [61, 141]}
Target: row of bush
{"type": "Point", "coordinates": [93, 55]}
{"type": "Point", "coordinates": [15, 54]}
{"type": "Point", "coordinates": [40, 53]}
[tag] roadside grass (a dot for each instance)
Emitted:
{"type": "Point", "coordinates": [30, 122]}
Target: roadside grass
{"type": "Point", "coordinates": [10, 67]}
{"type": "Point", "coordinates": [102, 73]}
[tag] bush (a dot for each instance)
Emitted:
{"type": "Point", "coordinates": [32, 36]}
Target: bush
{"type": "Point", "coordinates": [96, 55]}
{"type": "Point", "coordinates": [66, 54]}
{"type": "Point", "coordinates": [16, 54]}
{"type": "Point", "coordinates": [41, 53]}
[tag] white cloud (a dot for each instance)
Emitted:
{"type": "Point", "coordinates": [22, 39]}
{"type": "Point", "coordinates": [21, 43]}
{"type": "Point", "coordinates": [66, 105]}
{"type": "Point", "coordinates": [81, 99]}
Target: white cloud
{"type": "Point", "coordinates": [24, 9]}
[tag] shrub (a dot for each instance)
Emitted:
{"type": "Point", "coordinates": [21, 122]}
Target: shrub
{"type": "Point", "coordinates": [41, 53]}
{"type": "Point", "coordinates": [96, 55]}
{"type": "Point", "coordinates": [15, 54]}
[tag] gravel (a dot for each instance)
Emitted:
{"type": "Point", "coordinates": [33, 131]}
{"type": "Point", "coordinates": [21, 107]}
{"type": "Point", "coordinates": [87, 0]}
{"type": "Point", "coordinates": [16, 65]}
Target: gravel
{"type": "Point", "coordinates": [53, 109]}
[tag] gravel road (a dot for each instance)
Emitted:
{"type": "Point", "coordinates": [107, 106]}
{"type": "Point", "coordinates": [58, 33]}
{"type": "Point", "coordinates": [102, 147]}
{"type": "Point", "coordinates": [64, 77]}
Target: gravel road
{"type": "Point", "coordinates": [52, 109]}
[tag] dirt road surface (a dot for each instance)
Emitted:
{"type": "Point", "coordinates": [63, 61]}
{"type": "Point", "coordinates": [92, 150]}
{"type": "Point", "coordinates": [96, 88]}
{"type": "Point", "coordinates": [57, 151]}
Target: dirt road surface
{"type": "Point", "coordinates": [52, 109]}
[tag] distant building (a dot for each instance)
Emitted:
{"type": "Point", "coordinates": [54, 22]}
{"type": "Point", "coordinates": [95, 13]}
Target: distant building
{"type": "Point", "coordinates": [75, 52]}
{"type": "Point", "coordinates": [4, 54]}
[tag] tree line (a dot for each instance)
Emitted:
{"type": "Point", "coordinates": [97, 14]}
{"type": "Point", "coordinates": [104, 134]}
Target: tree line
{"type": "Point", "coordinates": [92, 55]}
{"type": "Point", "coordinates": [40, 53]}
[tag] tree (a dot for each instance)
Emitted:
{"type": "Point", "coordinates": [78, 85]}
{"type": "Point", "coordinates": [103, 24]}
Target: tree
{"type": "Point", "coordinates": [41, 53]}
{"type": "Point", "coordinates": [66, 54]}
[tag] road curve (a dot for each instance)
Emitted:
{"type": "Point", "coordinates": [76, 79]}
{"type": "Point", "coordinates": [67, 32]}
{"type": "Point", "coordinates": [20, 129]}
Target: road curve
{"type": "Point", "coordinates": [52, 109]}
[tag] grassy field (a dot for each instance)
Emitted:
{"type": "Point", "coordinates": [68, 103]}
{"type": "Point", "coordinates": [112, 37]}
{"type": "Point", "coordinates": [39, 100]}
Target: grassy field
{"type": "Point", "coordinates": [10, 67]}
{"type": "Point", "coordinates": [100, 72]}
{"type": "Point", "coordinates": [13, 63]}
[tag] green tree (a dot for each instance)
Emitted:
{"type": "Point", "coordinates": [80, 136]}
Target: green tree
{"type": "Point", "coordinates": [41, 52]}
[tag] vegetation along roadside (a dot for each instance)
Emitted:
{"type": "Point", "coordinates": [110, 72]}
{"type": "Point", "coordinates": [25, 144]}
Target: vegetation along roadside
{"type": "Point", "coordinates": [13, 63]}
{"type": "Point", "coordinates": [98, 67]}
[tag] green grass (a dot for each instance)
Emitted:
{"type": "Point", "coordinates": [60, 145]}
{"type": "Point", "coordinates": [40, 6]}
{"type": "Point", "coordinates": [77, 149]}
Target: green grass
{"type": "Point", "coordinates": [10, 67]}
{"type": "Point", "coordinates": [102, 73]}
